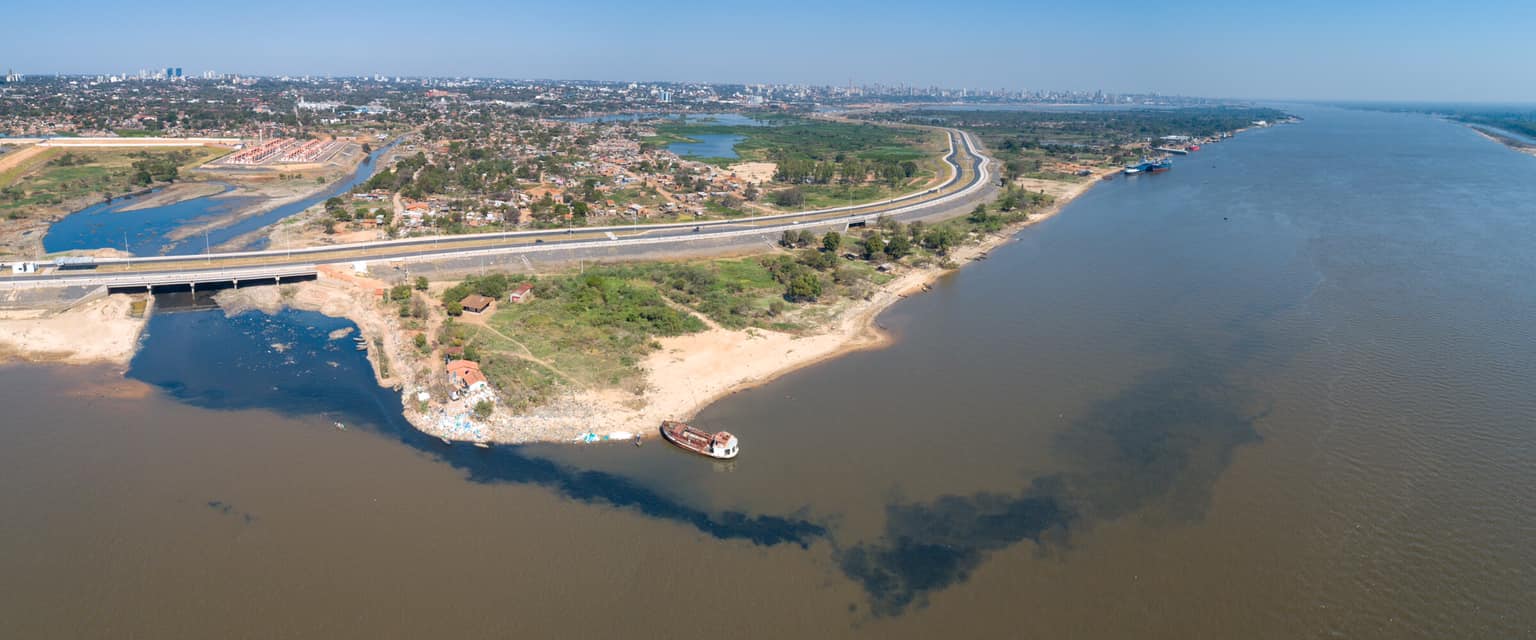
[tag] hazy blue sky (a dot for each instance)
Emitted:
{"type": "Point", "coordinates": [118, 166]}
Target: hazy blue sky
{"type": "Point", "coordinates": [1479, 50]}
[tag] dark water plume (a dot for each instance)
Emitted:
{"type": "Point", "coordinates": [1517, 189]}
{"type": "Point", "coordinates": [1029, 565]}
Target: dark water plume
{"type": "Point", "coordinates": [287, 363]}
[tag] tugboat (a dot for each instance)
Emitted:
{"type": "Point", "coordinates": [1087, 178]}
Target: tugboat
{"type": "Point", "coordinates": [720, 446]}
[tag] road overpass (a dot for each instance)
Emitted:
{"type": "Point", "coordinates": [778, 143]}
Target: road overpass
{"type": "Point", "coordinates": [970, 181]}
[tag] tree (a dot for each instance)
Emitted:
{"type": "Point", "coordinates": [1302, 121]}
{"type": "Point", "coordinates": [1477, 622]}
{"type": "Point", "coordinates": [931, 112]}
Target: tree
{"type": "Point", "coordinates": [804, 286]}
{"type": "Point", "coordinates": [483, 409]}
{"type": "Point", "coordinates": [874, 246]}
{"type": "Point", "coordinates": [454, 307]}
{"type": "Point", "coordinates": [421, 342]}
{"type": "Point", "coordinates": [831, 242]}
{"type": "Point", "coordinates": [421, 283]}
{"type": "Point", "coordinates": [899, 247]}
{"type": "Point", "coordinates": [791, 197]}
{"type": "Point", "coordinates": [941, 239]}
{"type": "Point", "coordinates": [399, 292]}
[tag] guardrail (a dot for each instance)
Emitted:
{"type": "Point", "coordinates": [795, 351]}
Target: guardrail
{"type": "Point", "coordinates": [194, 278]}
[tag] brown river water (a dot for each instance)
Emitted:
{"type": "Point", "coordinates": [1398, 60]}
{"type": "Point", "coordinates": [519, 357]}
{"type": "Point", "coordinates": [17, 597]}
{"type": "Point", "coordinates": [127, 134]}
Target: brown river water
{"type": "Point", "coordinates": [1282, 391]}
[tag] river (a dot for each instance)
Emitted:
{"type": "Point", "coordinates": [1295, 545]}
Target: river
{"type": "Point", "coordinates": [1280, 391]}
{"type": "Point", "coordinates": [148, 231]}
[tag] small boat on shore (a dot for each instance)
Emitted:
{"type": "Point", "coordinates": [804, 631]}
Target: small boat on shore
{"type": "Point", "coordinates": [482, 445]}
{"type": "Point", "coordinates": [720, 446]}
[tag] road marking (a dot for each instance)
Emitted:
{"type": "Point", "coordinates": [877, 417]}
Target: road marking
{"type": "Point", "coordinates": [526, 264]}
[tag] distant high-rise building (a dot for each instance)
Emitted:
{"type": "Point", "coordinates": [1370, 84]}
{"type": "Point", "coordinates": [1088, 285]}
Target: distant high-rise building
{"type": "Point", "coordinates": [178, 72]}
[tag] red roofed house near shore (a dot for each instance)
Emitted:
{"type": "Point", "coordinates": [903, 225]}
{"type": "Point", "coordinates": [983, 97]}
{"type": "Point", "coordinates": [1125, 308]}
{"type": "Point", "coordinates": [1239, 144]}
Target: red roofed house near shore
{"type": "Point", "coordinates": [466, 375]}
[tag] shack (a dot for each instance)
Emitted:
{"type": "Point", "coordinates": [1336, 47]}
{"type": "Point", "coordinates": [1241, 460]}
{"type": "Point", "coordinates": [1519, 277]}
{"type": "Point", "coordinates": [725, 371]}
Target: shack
{"type": "Point", "coordinates": [476, 303]}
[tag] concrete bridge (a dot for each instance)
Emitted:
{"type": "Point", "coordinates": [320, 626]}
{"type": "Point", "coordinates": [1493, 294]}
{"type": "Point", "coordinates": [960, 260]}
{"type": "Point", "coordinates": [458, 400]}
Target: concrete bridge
{"type": "Point", "coordinates": [152, 281]}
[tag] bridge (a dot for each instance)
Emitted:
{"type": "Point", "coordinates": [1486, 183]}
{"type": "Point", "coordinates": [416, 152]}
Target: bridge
{"type": "Point", "coordinates": [150, 281]}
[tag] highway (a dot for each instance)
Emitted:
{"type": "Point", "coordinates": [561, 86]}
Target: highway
{"type": "Point", "coordinates": [970, 181]}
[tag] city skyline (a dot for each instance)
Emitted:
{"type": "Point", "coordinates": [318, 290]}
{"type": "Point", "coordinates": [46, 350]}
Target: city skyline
{"type": "Point", "coordinates": [1309, 51]}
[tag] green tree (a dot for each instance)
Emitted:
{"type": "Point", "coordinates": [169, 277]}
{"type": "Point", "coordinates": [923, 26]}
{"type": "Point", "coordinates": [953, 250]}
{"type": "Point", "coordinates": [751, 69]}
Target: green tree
{"type": "Point", "coordinates": [421, 283]}
{"type": "Point", "coordinates": [804, 286]}
{"type": "Point", "coordinates": [421, 342]}
{"type": "Point", "coordinates": [400, 292]}
{"type": "Point", "coordinates": [941, 239]}
{"type": "Point", "coordinates": [831, 242]}
{"type": "Point", "coordinates": [483, 409]}
{"type": "Point", "coordinates": [791, 197]}
{"type": "Point", "coordinates": [874, 246]}
{"type": "Point", "coordinates": [899, 247]}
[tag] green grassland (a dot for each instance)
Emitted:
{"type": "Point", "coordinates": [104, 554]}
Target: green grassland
{"type": "Point", "coordinates": [818, 157]}
{"type": "Point", "coordinates": [593, 329]}
{"type": "Point", "coordinates": [59, 176]}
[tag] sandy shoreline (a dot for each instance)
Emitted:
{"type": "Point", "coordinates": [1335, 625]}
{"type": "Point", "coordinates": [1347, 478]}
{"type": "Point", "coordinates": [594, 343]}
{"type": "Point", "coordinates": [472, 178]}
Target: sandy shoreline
{"type": "Point", "coordinates": [1511, 143]}
{"type": "Point", "coordinates": [175, 193]}
{"type": "Point", "coordinates": [96, 331]}
{"type": "Point", "coordinates": [691, 372]}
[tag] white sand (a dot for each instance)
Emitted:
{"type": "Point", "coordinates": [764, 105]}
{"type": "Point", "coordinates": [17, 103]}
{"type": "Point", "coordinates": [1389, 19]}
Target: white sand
{"type": "Point", "coordinates": [97, 331]}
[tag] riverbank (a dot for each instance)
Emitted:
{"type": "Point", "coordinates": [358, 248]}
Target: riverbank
{"type": "Point", "coordinates": [681, 377]}
{"type": "Point", "coordinates": [100, 331]}
{"type": "Point", "coordinates": [176, 192]}
{"type": "Point", "coordinates": [1506, 141]}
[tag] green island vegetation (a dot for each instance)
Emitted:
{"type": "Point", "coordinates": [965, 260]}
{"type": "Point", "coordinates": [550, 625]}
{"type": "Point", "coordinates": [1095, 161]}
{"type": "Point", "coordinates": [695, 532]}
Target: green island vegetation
{"type": "Point", "coordinates": [593, 329]}
{"type": "Point", "coordinates": [1495, 120]}
{"type": "Point", "coordinates": [1043, 144]}
{"type": "Point", "coordinates": [825, 163]}
{"type": "Point", "coordinates": [58, 177]}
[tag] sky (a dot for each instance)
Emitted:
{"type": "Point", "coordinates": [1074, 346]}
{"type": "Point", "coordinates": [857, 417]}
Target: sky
{"type": "Point", "coordinates": [1414, 50]}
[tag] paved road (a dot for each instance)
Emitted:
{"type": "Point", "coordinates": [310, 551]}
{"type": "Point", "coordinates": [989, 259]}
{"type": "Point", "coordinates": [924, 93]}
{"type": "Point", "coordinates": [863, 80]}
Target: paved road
{"type": "Point", "coordinates": [970, 182]}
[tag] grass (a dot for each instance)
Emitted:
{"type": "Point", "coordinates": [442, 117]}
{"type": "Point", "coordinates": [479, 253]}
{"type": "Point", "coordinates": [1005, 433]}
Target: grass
{"type": "Point", "coordinates": [593, 330]}
{"type": "Point", "coordinates": [47, 181]}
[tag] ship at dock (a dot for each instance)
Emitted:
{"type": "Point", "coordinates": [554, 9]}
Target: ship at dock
{"type": "Point", "coordinates": [720, 445]}
{"type": "Point", "coordinates": [1149, 166]}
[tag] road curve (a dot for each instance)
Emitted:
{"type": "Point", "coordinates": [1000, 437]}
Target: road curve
{"type": "Point", "coordinates": [970, 180]}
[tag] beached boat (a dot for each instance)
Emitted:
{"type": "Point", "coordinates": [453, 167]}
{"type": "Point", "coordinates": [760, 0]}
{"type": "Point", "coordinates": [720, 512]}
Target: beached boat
{"type": "Point", "coordinates": [721, 446]}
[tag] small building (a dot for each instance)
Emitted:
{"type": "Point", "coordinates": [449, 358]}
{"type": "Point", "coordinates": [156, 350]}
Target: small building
{"type": "Point", "coordinates": [476, 303]}
{"type": "Point", "coordinates": [521, 294]}
{"type": "Point", "coordinates": [466, 375]}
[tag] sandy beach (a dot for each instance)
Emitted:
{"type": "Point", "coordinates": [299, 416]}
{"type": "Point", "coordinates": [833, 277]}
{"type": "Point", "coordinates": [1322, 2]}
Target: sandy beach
{"type": "Point", "coordinates": [178, 192]}
{"type": "Point", "coordinates": [99, 331]}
